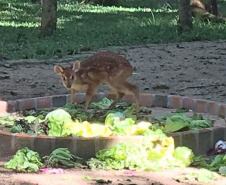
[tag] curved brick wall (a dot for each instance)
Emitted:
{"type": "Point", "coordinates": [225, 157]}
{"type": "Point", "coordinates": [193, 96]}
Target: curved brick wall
{"type": "Point", "coordinates": [199, 141]}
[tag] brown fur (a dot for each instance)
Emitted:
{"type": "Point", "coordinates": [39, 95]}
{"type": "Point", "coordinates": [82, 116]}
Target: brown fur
{"type": "Point", "coordinates": [103, 67]}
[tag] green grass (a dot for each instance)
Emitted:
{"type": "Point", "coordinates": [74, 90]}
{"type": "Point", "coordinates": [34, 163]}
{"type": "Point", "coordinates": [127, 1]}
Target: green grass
{"type": "Point", "coordinates": [86, 27]}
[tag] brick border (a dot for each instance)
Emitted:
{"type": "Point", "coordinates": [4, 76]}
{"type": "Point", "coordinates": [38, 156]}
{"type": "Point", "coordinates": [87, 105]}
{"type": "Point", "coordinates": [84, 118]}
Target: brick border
{"type": "Point", "coordinates": [199, 141]}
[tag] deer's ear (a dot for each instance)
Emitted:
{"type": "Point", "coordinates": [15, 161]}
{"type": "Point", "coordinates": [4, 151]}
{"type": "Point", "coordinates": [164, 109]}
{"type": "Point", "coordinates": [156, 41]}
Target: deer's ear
{"type": "Point", "coordinates": [58, 70]}
{"type": "Point", "coordinates": [76, 66]}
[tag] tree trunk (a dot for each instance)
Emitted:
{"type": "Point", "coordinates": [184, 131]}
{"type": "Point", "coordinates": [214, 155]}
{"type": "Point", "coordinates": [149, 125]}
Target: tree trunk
{"type": "Point", "coordinates": [185, 17]}
{"type": "Point", "coordinates": [49, 17]}
{"type": "Point", "coordinates": [214, 8]}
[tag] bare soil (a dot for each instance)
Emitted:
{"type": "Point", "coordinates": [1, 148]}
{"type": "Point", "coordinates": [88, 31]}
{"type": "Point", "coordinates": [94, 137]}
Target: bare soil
{"type": "Point", "coordinates": [196, 69]}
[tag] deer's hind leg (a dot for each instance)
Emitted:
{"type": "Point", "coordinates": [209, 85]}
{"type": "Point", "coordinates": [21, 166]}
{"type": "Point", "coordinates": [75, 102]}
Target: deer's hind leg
{"type": "Point", "coordinates": [122, 88]}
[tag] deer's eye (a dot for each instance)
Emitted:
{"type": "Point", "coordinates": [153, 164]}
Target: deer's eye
{"type": "Point", "coordinates": [64, 78]}
{"type": "Point", "coordinates": [71, 77]}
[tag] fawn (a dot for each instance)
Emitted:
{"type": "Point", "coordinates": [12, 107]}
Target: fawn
{"type": "Point", "coordinates": [102, 67]}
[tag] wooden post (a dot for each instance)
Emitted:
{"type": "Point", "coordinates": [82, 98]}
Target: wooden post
{"type": "Point", "coordinates": [185, 17]}
{"type": "Point", "coordinates": [49, 17]}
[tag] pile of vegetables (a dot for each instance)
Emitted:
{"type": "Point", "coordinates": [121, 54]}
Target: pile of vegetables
{"type": "Point", "coordinates": [216, 164]}
{"type": "Point", "coordinates": [180, 122]}
{"type": "Point", "coordinates": [25, 160]}
{"type": "Point", "coordinates": [155, 153]}
{"type": "Point", "coordinates": [60, 157]}
{"type": "Point", "coordinates": [71, 120]}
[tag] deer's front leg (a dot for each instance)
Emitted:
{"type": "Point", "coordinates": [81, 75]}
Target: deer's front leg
{"type": "Point", "coordinates": [72, 96]}
{"type": "Point", "coordinates": [89, 94]}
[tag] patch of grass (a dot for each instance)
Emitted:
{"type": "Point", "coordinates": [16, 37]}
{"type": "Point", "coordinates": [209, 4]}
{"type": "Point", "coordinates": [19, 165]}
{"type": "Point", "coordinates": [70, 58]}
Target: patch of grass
{"type": "Point", "coordinates": [86, 27]}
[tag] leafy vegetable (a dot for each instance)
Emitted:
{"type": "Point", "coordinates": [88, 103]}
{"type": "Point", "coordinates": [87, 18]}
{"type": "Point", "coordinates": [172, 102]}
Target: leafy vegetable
{"type": "Point", "coordinates": [9, 119]}
{"type": "Point", "coordinates": [199, 124]}
{"type": "Point", "coordinates": [36, 126]}
{"type": "Point", "coordinates": [184, 155]}
{"type": "Point", "coordinates": [216, 164]}
{"type": "Point", "coordinates": [222, 170]}
{"type": "Point", "coordinates": [156, 152]}
{"type": "Point", "coordinates": [103, 104]}
{"type": "Point", "coordinates": [177, 121]}
{"type": "Point", "coordinates": [58, 116]}
{"type": "Point", "coordinates": [203, 175]}
{"type": "Point", "coordinates": [206, 176]}
{"type": "Point", "coordinates": [25, 160]}
{"type": "Point", "coordinates": [118, 123]}
{"type": "Point", "coordinates": [86, 129]}
{"type": "Point", "coordinates": [60, 157]}
{"type": "Point", "coordinates": [57, 122]}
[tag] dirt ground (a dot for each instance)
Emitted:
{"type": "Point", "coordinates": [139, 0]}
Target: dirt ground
{"type": "Point", "coordinates": [196, 69]}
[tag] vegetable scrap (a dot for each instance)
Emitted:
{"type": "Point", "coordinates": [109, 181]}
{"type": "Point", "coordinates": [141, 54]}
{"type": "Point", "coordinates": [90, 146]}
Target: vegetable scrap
{"type": "Point", "coordinates": [52, 170]}
{"type": "Point", "coordinates": [60, 157]}
{"type": "Point", "coordinates": [25, 160]}
{"type": "Point", "coordinates": [178, 121]}
{"type": "Point", "coordinates": [202, 175]}
{"type": "Point", "coordinates": [156, 152]}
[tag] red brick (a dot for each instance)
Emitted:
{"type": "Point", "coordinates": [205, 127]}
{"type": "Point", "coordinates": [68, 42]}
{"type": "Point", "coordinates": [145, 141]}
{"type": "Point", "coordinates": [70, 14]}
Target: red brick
{"type": "Point", "coordinates": [129, 98]}
{"type": "Point", "coordinates": [213, 107]}
{"type": "Point", "coordinates": [43, 137]}
{"type": "Point", "coordinates": [161, 100]}
{"type": "Point", "coordinates": [27, 104]}
{"type": "Point", "coordinates": [66, 142]}
{"type": "Point", "coordinates": [21, 141]}
{"type": "Point", "coordinates": [175, 102]}
{"type": "Point", "coordinates": [201, 106]}
{"type": "Point", "coordinates": [146, 100]}
{"type": "Point", "coordinates": [43, 102]}
{"type": "Point", "coordinates": [2, 132]}
{"type": "Point", "coordinates": [222, 111]}
{"type": "Point", "coordinates": [58, 100]}
{"type": "Point", "coordinates": [13, 106]}
{"type": "Point", "coordinates": [22, 135]}
{"type": "Point", "coordinates": [85, 147]}
{"type": "Point", "coordinates": [3, 107]}
{"type": "Point", "coordinates": [6, 144]}
{"type": "Point", "coordinates": [190, 139]}
{"type": "Point", "coordinates": [189, 103]}
{"type": "Point", "coordinates": [44, 145]}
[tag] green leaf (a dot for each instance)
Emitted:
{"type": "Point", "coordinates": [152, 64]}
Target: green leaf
{"type": "Point", "coordinates": [222, 170]}
{"type": "Point", "coordinates": [129, 112]}
{"type": "Point", "coordinates": [58, 116]}
{"type": "Point", "coordinates": [217, 161]}
{"type": "Point", "coordinates": [206, 176]}
{"type": "Point", "coordinates": [16, 129]}
{"type": "Point", "coordinates": [30, 119]}
{"type": "Point", "coordinates": [56, 122]}
{"type": "Point", "coordinates": [174, 125]}
{"type": "Point", "coordinates": [87, 177]}
{"type": "Point", "coordinates": [199, 124]}
{"type": "Point", "coordinates": [103, 104]}
{"type": "Point", "coordinates": [25, 160]}
{"type": "Point", "coordinates": [184, 155]}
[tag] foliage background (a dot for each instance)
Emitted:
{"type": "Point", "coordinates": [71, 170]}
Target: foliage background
{"type": "Point", "coordinates": [84, 27]}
